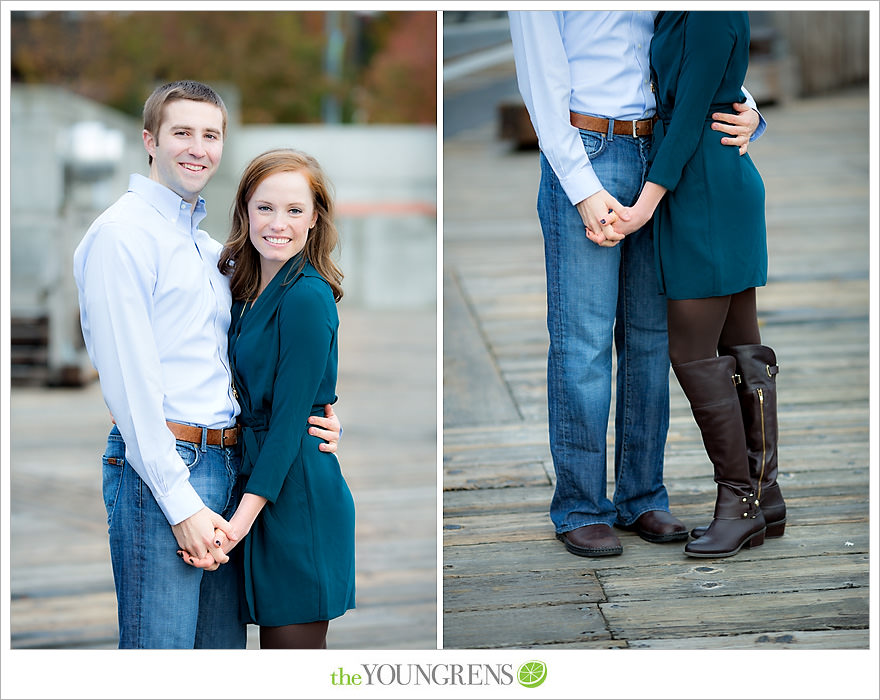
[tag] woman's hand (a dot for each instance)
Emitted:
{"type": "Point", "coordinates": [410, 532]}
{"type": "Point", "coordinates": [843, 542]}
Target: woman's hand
{"type": "Point", "coordinates": [638, 216]}
{"type": "Point", "coordinates": [634, 217]}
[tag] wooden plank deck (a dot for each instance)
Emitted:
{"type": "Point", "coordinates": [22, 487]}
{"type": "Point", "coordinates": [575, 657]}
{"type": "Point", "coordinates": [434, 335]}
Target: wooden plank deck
{"type": "Point", "coordinates": [507, 582]}
{"type": "Point", "coordinates": [60, 576]}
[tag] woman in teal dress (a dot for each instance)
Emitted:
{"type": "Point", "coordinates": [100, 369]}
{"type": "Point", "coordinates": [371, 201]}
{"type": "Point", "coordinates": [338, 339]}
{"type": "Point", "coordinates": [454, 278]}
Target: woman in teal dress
{"type": "Point", "coordinates": [711, 252]}
{"type": "Point", "coordinates": [296, 509]}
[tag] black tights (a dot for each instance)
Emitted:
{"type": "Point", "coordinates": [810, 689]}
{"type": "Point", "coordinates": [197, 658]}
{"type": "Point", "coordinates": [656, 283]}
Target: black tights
{"type": "Point", "coordinates": [698, 327]}
{"type": "Point", "coordinates": [310, 635]}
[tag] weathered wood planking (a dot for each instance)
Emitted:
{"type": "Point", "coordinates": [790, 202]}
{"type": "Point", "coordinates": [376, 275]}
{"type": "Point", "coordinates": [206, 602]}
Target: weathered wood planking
{"type": "Point", "coordinates": [510, 590]}
{"type": "Point", "coordinates": [771, 640]}
{"type": "Point", "coordinates": [811, 610]}
{"type": "Point", "coordinates": [738, 578]}
{"type": "Point", "coordinates": [509, 583]}
{"type": "Point", "coordinates": [839, 539]}
{"type": "Point", "coordinates": [522, 627]}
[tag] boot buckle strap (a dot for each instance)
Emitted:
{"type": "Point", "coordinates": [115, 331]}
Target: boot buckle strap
{"type": "Point", "coordinates": [737, 379]}
{"type": "Point", "coordinates": [771, 371]}
{"type": "Point", "coordinates": [751, 506]}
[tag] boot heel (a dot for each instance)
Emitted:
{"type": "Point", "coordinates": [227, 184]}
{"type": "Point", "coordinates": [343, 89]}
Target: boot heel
{"type": "Point", "coordinates": [756, 541]}
{"type": "Point", "coordinates": [776, 529]}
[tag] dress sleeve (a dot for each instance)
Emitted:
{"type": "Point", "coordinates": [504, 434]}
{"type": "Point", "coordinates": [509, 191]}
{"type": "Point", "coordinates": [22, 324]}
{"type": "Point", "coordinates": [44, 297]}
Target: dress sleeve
{"type": "Point", "coordinates": [709, 38]}
{"type": "Point", "coordinates": [307, 325]}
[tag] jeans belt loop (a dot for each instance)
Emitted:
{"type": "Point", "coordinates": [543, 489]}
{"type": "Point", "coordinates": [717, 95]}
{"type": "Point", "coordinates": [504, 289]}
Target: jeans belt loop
{"type": "Point", "coordinates": [610, 134]}
{"type": "Point", "coordinates": [204, 446]}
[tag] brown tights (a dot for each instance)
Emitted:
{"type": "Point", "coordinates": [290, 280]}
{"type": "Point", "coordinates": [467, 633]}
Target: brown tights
{"type": "Point", "coordinates": [698, 327]}
{"type": "Point", "coordinates": [310, 635]}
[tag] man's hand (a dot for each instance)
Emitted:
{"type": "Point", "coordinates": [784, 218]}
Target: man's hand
{"type": "Point", "coordinates": [599, 212]}
{"type": "Point", "coordinates": [196, 537]}
{"type": "Point", "coordinates": [739, 126]}
{"type": "Point", "coordinates": [332, 429]}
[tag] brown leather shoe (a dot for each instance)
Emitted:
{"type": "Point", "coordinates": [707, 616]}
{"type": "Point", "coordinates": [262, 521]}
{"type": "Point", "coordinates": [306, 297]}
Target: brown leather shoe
{"type": "Point", "coordinates": [657, 526]}
{"type": "Point", "coordinates": [592, 541]}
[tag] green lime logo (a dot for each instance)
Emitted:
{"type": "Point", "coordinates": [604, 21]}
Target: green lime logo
{"type": "Point", "coordinates": [531, 674]}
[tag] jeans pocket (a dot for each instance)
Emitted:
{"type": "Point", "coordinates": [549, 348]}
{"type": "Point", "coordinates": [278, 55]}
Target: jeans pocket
{"type": "Point", "coordinates": [594, 143]}
{"type": "Point", "coordinates": [189, 453]}
{"type": "Point", "coordinates": [113, 469]}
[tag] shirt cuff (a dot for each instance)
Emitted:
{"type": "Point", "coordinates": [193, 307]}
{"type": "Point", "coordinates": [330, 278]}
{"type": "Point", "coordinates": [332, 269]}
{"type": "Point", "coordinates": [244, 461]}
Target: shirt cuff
{"type": "Point", "coordinates": [762, 127]}
{"type": "Point", "coordinates": [580, 185]}
{"type": "Point", "coordinates": [181, 503]}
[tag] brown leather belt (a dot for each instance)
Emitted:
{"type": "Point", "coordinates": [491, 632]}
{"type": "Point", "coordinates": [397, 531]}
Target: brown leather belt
{"type": "Point", "coordinates": [191, 433]}
{"type": "Point", "coordinates": [635, 128]}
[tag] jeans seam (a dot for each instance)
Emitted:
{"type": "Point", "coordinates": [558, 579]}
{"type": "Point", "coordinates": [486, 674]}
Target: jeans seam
{"type": "Point", "coordinates": [623, 447]}
{"type": "Point", "coordinates": [138, 578]}
{"type": "Point", "coordinates": [556, 334]}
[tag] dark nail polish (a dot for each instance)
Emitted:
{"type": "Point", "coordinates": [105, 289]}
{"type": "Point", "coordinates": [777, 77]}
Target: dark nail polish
{"type": "Point", "coordinates": [602, 221]}
{"type": "Point", "coordinates": [180, 554]}
{"type": "Point", "coordinates": [217, 542]}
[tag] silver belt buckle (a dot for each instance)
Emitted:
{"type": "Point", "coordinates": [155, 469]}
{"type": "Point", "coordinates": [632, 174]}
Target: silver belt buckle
{"type": "Point", "coordinates": [635, 128]}
{"type": "Point", "coordinates": [223, 435]}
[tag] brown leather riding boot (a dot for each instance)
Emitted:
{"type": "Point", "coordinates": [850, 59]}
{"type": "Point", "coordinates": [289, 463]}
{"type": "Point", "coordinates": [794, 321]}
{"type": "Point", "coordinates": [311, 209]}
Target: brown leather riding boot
{"type": "Point", "coordinates": [738, 521]}
{"type": "Point", "coordinates": [756, 365]}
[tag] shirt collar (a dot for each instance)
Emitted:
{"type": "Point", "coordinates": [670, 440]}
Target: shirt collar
{"type": "Point", "coordinates": [168, 203]}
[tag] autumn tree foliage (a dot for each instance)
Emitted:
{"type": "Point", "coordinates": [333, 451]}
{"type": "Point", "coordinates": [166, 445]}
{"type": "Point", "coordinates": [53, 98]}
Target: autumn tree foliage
{"type": "Point", "coordinates": [278, 61]}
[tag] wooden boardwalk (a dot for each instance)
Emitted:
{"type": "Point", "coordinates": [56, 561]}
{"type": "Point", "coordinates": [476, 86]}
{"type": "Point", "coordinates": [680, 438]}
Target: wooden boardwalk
{"type": "Point", "coordinates": [507, 582]}
{"type": "Point", "coordinates": [60, 575]}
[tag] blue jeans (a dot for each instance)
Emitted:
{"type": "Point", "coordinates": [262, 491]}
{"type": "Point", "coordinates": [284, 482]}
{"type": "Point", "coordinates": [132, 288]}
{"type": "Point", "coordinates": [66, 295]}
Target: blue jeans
{"type": "Point", "coordinates": [597, 297]}
{"type": "Point", "coordinates": [164, 603]}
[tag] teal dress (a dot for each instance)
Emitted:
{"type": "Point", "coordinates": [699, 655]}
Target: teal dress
{"type": "Point", "coordinates": [710, 235]}
{"type": "Point", "coordinates": [298, 558]}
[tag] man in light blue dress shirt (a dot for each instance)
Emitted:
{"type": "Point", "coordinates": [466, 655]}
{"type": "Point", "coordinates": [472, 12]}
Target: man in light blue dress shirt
{"type": "Point", "coordinates": [585, 79]}
{"type": "Point", "coordinates": [155, 311]}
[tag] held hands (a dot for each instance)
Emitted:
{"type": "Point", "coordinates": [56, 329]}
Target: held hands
{"type": "Point", "coordinates": [599, 212]}
{"type": "Point", "coordinates": [196, 536]}
{"type": "Point", "coordinates": [240, 523]}
{"type": "Point", "coordinates": [739, 126]}
{"type": "Point", "coordinates": [636, 216]}
{"type": "Point", "coordinates": [640, 213]}
{"type": "Point", "coordinates": [332, 429]}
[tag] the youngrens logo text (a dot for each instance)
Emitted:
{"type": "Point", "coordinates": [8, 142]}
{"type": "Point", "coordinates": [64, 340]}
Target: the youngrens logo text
{"type": "Point", "coordinates": [530, 674]}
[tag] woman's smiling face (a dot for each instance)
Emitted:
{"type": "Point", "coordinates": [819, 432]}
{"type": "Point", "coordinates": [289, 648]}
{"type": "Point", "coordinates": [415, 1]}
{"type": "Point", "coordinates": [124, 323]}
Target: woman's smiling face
{"type": "Point", "coordinates": [280, 213]}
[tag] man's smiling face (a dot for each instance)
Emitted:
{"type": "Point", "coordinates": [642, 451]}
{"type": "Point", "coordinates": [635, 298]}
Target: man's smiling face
{"type": "Point", "coordinates": [187, 150]}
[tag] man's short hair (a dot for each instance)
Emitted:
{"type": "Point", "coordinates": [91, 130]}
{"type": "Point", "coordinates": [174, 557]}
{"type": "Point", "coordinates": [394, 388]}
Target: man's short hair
{"type": "Point", "coordinates": [178, 90]}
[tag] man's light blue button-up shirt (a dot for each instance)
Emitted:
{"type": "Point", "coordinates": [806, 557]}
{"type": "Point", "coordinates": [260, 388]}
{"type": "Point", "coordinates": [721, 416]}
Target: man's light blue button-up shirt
{"type": "Point", "coordinates": [586, 61]}
{"type": "Point", "coordinates": [154, 311]}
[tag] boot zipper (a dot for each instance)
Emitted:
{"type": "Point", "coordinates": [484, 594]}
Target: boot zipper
{"type": "Point", "coordinates": [763, 442]}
